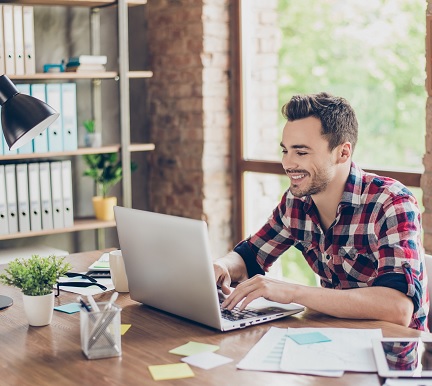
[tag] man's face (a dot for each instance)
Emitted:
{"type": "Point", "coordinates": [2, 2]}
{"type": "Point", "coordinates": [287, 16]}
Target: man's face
{"type": "Point", "coordinates": [306, 157]}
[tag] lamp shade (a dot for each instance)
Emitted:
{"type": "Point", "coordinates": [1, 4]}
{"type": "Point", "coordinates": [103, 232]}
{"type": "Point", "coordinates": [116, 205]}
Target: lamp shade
{"type": "Point", "coordinates": [22, 117]}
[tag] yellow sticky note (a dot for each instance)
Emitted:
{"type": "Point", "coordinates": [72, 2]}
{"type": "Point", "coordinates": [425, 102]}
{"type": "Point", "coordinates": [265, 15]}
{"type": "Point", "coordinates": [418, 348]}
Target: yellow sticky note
{"type": "Point", "coordinates": [192, 348]}
{"type": "Point", "coordinates": [173, 371]}
{"type": "Point", "coordinates": [124, 328]}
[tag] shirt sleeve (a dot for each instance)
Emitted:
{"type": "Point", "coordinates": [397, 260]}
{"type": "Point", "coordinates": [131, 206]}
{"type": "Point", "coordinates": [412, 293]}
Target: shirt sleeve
{"type": "Point", "coordinates": [273, 238]}
{"type": "Point", "coordinates": [400, 249]}
{"type": "Point", "coordinates": [399, 283]}
{"type": "Point", "coordinates": [249, 258]}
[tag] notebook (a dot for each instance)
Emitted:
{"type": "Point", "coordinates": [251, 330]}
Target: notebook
{"type": "Point", "coordinates": [169, 267]}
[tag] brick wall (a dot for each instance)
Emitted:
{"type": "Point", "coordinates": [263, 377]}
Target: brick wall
{"type": "Point", "coordinates": [189, 113]}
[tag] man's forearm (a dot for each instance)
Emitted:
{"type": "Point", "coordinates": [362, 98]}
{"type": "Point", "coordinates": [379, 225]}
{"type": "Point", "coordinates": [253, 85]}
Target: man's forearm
{"type": "Point", "coordinates": [359, 303]}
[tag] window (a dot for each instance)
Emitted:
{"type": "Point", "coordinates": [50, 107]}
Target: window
{"type": "Point", "coordinates": [371, 53]}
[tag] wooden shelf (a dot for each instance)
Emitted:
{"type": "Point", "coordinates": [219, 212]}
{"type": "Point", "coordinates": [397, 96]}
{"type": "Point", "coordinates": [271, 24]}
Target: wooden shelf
{"type": "Point", "coordinates": [83, 224]}
{"type": "Point", "coordinates": [75, 3]}
{"type": "Point", "coordinates": [135, 147]}
{"type": "Point", "coordinates": [80, 75]}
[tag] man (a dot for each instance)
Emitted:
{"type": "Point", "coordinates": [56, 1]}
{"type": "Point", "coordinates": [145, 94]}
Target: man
{"type": "Point", "coordinates": [359, 232]}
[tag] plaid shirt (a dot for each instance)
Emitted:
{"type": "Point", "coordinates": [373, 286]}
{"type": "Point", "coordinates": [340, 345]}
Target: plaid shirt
{"type": "Point", "coordinates": [376, 232]}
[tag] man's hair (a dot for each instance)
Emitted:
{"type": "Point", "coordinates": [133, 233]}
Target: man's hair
{"type": "Point", "coordinates": [338, 119]}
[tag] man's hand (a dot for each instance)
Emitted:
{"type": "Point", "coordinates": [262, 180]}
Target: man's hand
{"type": "Point", "coordinates": [228, 269]}
{"type": "Point", "coordinates": [260, 286]}
{"type": "Point", "coordinates": [222, 276]}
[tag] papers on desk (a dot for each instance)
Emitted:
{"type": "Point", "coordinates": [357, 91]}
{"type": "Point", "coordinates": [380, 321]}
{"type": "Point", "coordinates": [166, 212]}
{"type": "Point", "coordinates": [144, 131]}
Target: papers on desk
{"type": "Point", "coordinates": [91, 290]}
{"type": "Point", "coordinates": [347, 350]}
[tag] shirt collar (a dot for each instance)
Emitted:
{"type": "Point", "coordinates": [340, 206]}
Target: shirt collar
{"type": "Point", "coordinates": [353, 187]}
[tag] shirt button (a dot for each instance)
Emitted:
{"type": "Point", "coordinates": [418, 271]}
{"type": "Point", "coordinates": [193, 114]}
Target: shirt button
{"type": "Point", "coordinates": [328, 257]}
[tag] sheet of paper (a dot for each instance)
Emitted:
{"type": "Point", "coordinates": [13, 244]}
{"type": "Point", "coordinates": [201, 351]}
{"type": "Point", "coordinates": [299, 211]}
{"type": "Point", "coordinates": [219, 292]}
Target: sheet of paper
{"type": "Point", "coordinates": [70, 308]}
{"type": "Point", "coordinates": [266, 355]}
{"type": "Point", "coordinates": [92, 290]}
{"type": "Point", "coordinates": [173, 371]}
{"type": "Point", "coordinates": [207, 360]}
{"type": "Point", "coordinates": [192, 348]}
{"type": "Point", "coordinates": [348, 350]}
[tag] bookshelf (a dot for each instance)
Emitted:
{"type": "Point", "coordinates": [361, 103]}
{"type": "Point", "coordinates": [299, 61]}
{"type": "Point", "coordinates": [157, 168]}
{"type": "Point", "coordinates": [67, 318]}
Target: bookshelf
{"type": "Point", "coordinates": [121, 76]}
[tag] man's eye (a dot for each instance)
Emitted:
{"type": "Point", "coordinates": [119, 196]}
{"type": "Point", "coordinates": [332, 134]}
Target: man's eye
{"type": "Point", "coordinates": [284, 151]}
{"type": "Point", "coordinates": [301, 153]}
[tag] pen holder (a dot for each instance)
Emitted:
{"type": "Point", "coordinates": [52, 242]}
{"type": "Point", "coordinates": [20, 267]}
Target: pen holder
{"type": "Point", "coordinates": [100, 332]}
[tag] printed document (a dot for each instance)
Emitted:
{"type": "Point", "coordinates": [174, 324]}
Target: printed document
{"type": "Point", "coordinates": [347, 349]}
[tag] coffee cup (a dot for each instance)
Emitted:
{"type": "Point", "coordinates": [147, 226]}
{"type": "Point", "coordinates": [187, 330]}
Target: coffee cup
{"type": "Point", "coordinates": [118, 271]}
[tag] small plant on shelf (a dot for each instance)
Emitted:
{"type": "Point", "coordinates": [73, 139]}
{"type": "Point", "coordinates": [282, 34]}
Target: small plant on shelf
{"type": "Point", "coordinates": [91, 138]}
{"type": "Point", "coordinates": [106, 171]}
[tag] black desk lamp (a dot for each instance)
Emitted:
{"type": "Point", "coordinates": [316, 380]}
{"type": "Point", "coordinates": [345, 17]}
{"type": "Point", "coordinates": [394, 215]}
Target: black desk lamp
{"type": "Point", "coordinates": [22, 118]}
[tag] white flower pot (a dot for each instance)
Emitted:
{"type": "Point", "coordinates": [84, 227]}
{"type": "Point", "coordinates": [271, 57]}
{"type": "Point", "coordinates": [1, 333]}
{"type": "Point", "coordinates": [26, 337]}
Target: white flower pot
{"type": "Point", "coordinates": [39, 309]}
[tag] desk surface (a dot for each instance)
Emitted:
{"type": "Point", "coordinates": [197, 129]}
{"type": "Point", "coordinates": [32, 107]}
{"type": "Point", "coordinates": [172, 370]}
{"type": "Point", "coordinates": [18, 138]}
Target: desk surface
{"type": "Point", "coordinates": [52, 355]}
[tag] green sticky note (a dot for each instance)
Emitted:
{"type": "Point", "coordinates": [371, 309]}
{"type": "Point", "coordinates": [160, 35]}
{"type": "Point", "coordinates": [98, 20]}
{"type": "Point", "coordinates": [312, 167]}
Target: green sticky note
{"type": "Point", "coordinates": [101, 264]}
{"type": "Point", "coordinates": [70, 308]}
{"type": "Point", "coordinates": [309, 338]}
{"type": "Point", "coordinates": [173, 371]}
{"type": "Point", "coordinates": [192, 348]}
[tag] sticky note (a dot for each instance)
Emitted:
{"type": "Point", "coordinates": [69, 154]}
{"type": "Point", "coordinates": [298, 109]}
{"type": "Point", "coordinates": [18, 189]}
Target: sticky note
{"type": "Point", "coordinates": [124, 328]}
{"type": "Point", "coordinates": [207, 360]}
{"type": "Point", "coordinates": [70, 308]}
{"type": "Point", "coordinates": [172, 371]}
{"type": "Point", "coordinates": [309, 338]}
{"type": "Point", "coordinates": [192, 348]}
{"type": "Point", "coordinates": [101, 264]}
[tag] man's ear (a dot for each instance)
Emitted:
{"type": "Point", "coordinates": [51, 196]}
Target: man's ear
{"type": "Point", "coordinates": [344, 152]}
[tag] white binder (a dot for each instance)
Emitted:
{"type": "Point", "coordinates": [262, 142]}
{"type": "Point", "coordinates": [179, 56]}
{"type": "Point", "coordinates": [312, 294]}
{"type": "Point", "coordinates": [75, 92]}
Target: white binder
{"type": "Point", "coordinates": [4, 228]}
{"type": "Point", "coordinates": [45, 194]}
{"type": "Point", "coordinates": [55, 134]}
{"type": "Point", "coordinates": [34, 197]}
{"type": "Point", "coordinates": [28, 147]}
{"type": "Point", "coordinates": [2, 49]}
{"type": "Point", "coordinates": [23, 198]}
{"type": "Point", "coordinates": [67, 193]}
{"type": "Point", "coordinates": [40, 142]}
{"type": "Point", "coordinates": [11, 198]}
{"type": "Point", "coordinates": [18, 39]}
{"type": "Point", "coordinates": [29, 43]}
{"type": "Point", "coordinates": [8, 34]}
{"type": "Point", "coordinates": [56, 194]}
{"type": "Point", "coordinates": [69, 115]}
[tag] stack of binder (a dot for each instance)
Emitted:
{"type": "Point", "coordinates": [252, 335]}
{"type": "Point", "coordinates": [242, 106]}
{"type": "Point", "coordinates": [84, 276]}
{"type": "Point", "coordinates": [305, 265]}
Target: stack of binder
{"type": "Point", "coordinates": [35, 196]}
{"type": "Point", "coordinates": [17, 40]}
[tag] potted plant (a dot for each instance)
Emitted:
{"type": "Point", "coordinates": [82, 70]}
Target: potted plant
{"type": "Point", "coordinates": [91, 138]}
{"type": "Point", "coordinates": [36, 277]}
{"type": "Point", "coordinates": [106, 171]}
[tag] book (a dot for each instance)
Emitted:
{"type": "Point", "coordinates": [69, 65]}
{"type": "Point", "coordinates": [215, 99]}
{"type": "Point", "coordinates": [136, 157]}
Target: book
{"type": "Point", "coordinates": [88, 59]}
{"type": "Point", "coordinates": [85, 67]}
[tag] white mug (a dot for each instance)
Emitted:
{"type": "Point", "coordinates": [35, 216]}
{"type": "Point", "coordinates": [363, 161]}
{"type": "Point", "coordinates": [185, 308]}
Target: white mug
{"type": "Point", "coordinates": [118, 272]}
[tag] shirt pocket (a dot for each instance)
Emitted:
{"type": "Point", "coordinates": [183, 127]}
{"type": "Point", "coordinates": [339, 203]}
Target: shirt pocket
{"type": "Point", "coordinates": [359, 266]}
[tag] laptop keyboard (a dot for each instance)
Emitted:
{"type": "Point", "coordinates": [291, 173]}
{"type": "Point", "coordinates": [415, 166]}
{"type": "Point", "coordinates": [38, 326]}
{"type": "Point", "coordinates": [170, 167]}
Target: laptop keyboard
{"type": "Point", "coordinates": [237, 314]}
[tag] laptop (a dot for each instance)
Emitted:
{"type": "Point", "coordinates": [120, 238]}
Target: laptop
{"type": "Point", "coordinates": [169, 267]}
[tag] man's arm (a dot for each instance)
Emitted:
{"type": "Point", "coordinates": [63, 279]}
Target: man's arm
{"type": "Point", "coordinates": [379, 303]}
{"type": "Point", "coordinates": [228, 269]}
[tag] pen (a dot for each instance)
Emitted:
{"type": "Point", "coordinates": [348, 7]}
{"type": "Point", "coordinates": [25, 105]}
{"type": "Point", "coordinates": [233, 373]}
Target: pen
{"type": "Point", "coordinates": [93, 304]}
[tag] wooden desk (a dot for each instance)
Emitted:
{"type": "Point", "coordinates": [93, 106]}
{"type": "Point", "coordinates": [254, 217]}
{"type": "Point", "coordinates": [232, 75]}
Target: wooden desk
{"type": "Point", "coordinates": [52, 355]}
